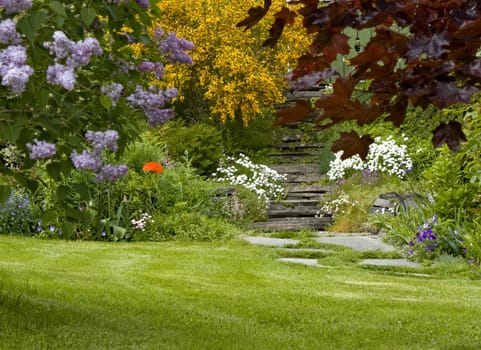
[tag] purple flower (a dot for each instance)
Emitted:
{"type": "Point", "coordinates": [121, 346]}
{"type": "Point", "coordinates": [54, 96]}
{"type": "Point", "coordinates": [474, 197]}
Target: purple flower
{"type": "Point", "coordinates": [152, 103]}
{"type": "Point", "coordinates": [76, 54]}
{"type": "Point", "coordinates": [143, 3]}
{"type": "Point", "coordinates": [88, 160]}
{"type": "Point", "coordinates": [59, 74]}
{"type": "Point", "coordinates": [158, 117]}
{"type": "Point", "coordinates": [111, 172]}
{"type": "Point", "coordinates": [61, 46]}
{"type": "Point", "coordinates": [13, 6]}
{"type": "Point", "coordinates": [13, 69]}
{"type": "Point", "coordinates": [103, 139]}
{"type": "Point", "coordinates": [17, 78]}
{"type": "Point", "coordinates": [14, 55]}
{"type": "Point", "coordinates": [158, 33]}
{"type": "Point", "coordinates": [41, 149]}
{"type": "Point", "coordinates": [82, 51]}
{"type": "Point", "coordinates": [8, 32]}
{"type": "Point", "coordinates": [173, 48]}
{"type": "Point", "coordinates": [114, 91]}
{"type": "Point", "coordinates": [154, 67]}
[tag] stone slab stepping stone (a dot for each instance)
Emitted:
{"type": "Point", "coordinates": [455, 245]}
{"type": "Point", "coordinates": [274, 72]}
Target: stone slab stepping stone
{"type": "Point", "coordinates": [390, 262]}
{"type": "Point", "coordinates": [308, 262]}
{"type": "Point", "coordinates": [309, 250]}
{"type": "Point", "coordinates": [359, 243]}
{"type": "Point", "coordinates": [292, 224]}
{"type": "Point", "coordinates": [270, 242]}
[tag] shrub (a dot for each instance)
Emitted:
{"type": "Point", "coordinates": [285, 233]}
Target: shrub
{"type": "Point", "coordinates": [200, 144]}
{"type": "Point", "coordinates": [190, 226]}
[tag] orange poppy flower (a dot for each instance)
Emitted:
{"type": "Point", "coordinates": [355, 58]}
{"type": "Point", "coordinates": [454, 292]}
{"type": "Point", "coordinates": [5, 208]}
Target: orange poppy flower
{"type": "Point", "coordinates": [153, 167]}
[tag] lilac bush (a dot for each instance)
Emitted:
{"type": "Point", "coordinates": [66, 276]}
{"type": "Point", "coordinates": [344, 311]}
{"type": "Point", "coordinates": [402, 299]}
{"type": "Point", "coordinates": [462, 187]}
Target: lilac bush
{"type": "Point", "coordinates": [68, 68]}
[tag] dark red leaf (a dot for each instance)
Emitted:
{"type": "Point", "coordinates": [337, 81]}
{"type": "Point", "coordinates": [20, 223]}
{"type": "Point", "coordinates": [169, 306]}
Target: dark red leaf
{"type": "Point", "coordinates": [397, 111]}
{"type": "Point", "coordinates": [283, 17]}
{"type": "Point", "coordinates": [337, 45]}
{"type": "Point", "coordinates": [450, 133]}
{"type": "Point", "coordinates": [255, 15]}
{"type": "Point", "coordinates": [434, 46]}
{"type": "Point", "coordinates": [293, 114]}
{"type": "Point", "coordinates": [449, 93]}
{"type": "Point", "coordinates": [469, 29]}
{"type": "Point", "coordinates": [352, 144]}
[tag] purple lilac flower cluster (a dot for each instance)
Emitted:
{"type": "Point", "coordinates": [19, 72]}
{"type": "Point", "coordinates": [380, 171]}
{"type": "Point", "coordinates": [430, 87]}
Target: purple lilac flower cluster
{"type": "Point", "coordinates": [41, 149]}
{"type": "Point", "coordinates": [425, 242]}
{"type": "Point", "coordinates": [92, 160]}
{"type": "Point", "coordinates": [8, 32]}
{"type": "Point", "coordinates": [173, 47]}
{"type": "Point", "coordinates": [154, 67]}
{"type": "Point", "coordinates": [13, 6]}
{"type": "Point", "coordinates": [151, 102]}
{"type": "Point", "coordinates": [75, 54]}
{"type": "Point", "coordinates": [114, 91]}
{"type": "Point", "coordinates": [13, 68]}
{"type": "Point", "coordinates": [145, 4]}
{"type": "Point", "coordinates": [111, 172]}
{"type": "Point", "coordinates": [103, 139]}
{"type": "Point", "coordinates": [87, 160]}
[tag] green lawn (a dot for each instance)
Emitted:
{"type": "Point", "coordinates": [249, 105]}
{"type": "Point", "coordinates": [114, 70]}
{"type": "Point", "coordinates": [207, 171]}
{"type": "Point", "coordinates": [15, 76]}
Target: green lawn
{"type": "Point", "coordinates": [90, 295]}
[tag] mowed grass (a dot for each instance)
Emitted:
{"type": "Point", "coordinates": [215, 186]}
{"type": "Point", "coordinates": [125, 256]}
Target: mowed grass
{"type": "Point", "coordinates": [91, 295]}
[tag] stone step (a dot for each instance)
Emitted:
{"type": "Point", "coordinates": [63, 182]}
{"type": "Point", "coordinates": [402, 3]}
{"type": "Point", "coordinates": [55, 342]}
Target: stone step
{"type": "Point", "coordinates": [298, 146]}
{"type": "Point", "coordinates": [307, 191]}
{"type": "Point", "coordinates": [292, 224]}
{"type": "Point", "coordinates": [296, 168]}
{"type": "Point", "coordinates": [299, 211]}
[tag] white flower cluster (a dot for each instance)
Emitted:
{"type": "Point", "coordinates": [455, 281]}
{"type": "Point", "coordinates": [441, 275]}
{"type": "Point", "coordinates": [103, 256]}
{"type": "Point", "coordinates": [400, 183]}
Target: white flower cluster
{"type": "Point", "coordinates": [336, 206]}
{"type": "Point", "coordinates": [385, 157]}
{"type": "Point", "coordinates": [141, 224]}
{"type": "Point", "coordinates": [261, 179]}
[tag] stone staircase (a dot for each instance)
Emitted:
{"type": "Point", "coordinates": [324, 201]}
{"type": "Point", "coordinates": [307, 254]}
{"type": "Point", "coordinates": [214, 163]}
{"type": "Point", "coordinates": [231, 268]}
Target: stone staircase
{"type": "Point", "coordinates": [298, 158]}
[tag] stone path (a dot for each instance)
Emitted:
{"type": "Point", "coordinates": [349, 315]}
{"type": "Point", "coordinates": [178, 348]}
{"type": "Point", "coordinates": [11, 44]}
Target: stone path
{"type": "Point", "coordinates": [359, 243]}
{"type": "Point", "coordinates": [296, 155]}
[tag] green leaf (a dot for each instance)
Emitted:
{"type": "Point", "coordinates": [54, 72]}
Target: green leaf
{"type": "Point", "coordinates": [53, 170]}
{"type": "Point", "coordinates": [68, 228]}
{"type": "Point", "coordinates": [66, 167]}
{"type": "Point", "coordinates": [88, 15]}
{"type": "Point", "coordinates": [49, 217]}
{"type": "Point", "coordinates": [30, 24]}
{"type": "Point", "coordinates": [118, 230]}
{"type": "Point", "coordinates": [58, 8]}
{"type": "Point", "coordinates": [83, 190]}
{"type": "Point", "coordinates": [60, 21]}
{"type": "Point", "coordinates": [42, 97]}
{"type": "Point", "coordinates": [62, 193]}
{"type": "Point", "coordinates": [5, 191]}
{"type": "Point", "coordinates": [9, 133]}
{"type": "Point", "coordinates": [106, 102]}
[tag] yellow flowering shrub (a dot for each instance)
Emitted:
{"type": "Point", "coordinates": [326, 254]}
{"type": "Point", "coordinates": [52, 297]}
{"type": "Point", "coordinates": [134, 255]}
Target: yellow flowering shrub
{"type": "Point", "coordinates": [236, 75]}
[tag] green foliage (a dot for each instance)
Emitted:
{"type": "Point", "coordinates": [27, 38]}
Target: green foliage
{"type": "Point", "coordinates": [147, 149]}
{"type": "Point", "coordinates": [447, 185]}
{"type": "Point", "coordinates": [200, 144]}
{"type": "Point", "coordinates": [251, 139]}
{"type": "Point", "coordinates": [191, 226]}
{"type": "Point", "coordinates": [16, 214]}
